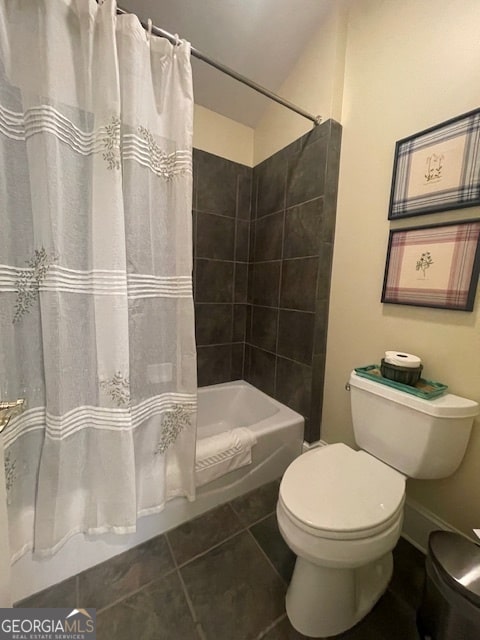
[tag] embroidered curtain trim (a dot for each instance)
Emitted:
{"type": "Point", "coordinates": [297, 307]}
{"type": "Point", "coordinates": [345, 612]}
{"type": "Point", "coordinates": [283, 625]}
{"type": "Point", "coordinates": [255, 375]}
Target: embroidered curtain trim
{"type": "Point", "coordinates": [96, 143]}
{"type": "Point", "coordinates": [100, 282]}
{"type": "Point", "coordinates": [104, 418]}
{"type": "Point", "coordinates": [105, 140]}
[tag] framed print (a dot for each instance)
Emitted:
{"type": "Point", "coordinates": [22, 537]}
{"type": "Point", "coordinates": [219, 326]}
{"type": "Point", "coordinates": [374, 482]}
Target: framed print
{"type": "Point", "coordinates": [433, 266]}
{"type": "Point", "coordinates": [437, 169]}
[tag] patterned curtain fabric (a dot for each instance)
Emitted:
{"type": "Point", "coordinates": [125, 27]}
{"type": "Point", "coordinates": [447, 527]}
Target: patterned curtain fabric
{"type": "Point", "coordinates": [96, 311]}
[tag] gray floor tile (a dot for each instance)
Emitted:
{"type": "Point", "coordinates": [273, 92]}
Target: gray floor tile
{"type": "Point", "coordinates": [390, 619]}
{"type": "Point", "coordinates": [118, 577]}
{"type": "Point", "coordinates": [202, 533]}
{"type": "Point", "coordinates": [234, 591]}
{"type": "Point", "coordinates": [63, 594]}
{"type": "Point", "coordinates": [268, 537]}
{"type": "Point", "coordinates": [257, 503]}
{"type": "Point", "coordinates": [408, 574]}
{"type": "Point", "coordinates": [283, 630]}
{"type": "Point", "coordinates": [158, 612]}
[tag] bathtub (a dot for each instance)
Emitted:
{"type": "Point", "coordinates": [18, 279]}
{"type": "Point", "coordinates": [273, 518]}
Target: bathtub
{"type": "Point", "coordinates": [278, 431]}
{"type": "Point", "coordinates": [279, 436]}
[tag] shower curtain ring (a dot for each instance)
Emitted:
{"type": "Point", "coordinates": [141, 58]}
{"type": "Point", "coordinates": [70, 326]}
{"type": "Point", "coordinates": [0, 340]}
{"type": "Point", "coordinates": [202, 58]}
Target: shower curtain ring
{"type": "Point", "coordinates": [149, 29]}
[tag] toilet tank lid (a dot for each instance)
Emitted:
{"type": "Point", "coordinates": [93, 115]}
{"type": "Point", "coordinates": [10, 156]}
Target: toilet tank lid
{"type": "Point", "coordinates": [446, 406]}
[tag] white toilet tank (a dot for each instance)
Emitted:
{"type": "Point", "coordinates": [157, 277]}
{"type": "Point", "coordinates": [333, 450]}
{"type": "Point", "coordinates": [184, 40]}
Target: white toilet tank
{"type": "Point", "coordinates": [421, 438]}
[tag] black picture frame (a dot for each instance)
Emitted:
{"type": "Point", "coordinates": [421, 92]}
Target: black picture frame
{"type": "Point", "coordinates": [435, 265]}
{"type": "Point", "coordinates": [437, 169]}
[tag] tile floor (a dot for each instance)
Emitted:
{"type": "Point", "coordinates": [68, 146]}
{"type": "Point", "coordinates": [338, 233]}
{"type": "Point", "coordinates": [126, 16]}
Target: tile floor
{"type": "Point", "coordinates": [222, 576]}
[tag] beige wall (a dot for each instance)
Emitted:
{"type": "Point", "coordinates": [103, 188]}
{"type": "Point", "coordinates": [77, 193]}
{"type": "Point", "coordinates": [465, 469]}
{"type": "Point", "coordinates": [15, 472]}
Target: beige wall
{"type": "Point", "coordinates": [315, 84]}
{"type": "Point", "coordinates": [385, 70]}
{"type": "Point", "coordinates": [407, 67]}
{"type": "Point", "coordinates": [222, 136]}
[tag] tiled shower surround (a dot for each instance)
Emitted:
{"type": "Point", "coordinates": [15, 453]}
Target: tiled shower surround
{"type": "Point", "coordinates": [263, 243]}
{"type": "Point", "coordinates": [221, 228]}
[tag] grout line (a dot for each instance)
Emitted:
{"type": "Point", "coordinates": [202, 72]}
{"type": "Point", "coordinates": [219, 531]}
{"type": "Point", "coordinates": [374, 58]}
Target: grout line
{"type": "Point", "coordinates": [193, 613]}
{"type": "Point", "coordinates": [191, 608]}
{"type": "Point", "coordinates": [169, 545]}
{"type": "Point", "coordinates": [261, 519]}
{"type": "Point", "coordinates": [215, 546]}
{"type": "Point", "coordinates": [254, 197]}
{"type": "Point", "coordinates": [136, 591]}
{"type": "Point", "coordinates": [235, 270]}
{"type": "Point", "coordinates": [266, 261]}
{"type": "Point", "coordinates": [242, 529]}
{"type": "Point", "coordinates": [299, 204]}
{"type": "Point", "coordinates": [278, 355]}
{"type": "Point", "coordinates": [400, 600]}
{"type": "Point", "coordinates": [270, 213]}
{"type": "Point", "coordinates": [196, 621]}
{"type": "Point", "coordinates": [214, 259]}
{"type": "Point", "coordinates": [177, 567]}
{"type": "Point", "coordinates": [275, 371]}
{"type": "Point", "coordinates": [263, 633]}
{"type": "Point", "coordinates": [219, 344]}
{"type": "Point", "coordinates": [214, 213]}
{"type": "Point", "coordinates": [237, 195]}
{"type": "Point", "coordinates": [288, 259]}
{"type": "Point", "coordinates": [200, 632]}
{"type": "Point", "coordinates": [147, 584]}
{"type": "Point", "coordinates": [252, 248]}
{"type": "Point", "coordinates": [195, 173]}
{"type": "Point", "coordinates": [266, 557]}
{"type": "Point", "coordinates": [198, 304]}
{"type": "Point", "coordinates": [309, 257]}
{"type": "Point", "coordinates": [274, 308]}
{"type": "Point", "coordinates": [266, 306]}
{"type": "Point", "coordinates": [256, 304]}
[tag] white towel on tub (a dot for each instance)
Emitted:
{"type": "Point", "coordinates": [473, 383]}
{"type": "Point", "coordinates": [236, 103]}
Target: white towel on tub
{"type": "Point", "coordinates": [217, 455]}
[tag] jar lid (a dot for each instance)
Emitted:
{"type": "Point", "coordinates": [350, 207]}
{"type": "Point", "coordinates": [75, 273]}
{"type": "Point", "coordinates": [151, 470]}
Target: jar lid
{"type": "Point", "coordinates": [401, 359]}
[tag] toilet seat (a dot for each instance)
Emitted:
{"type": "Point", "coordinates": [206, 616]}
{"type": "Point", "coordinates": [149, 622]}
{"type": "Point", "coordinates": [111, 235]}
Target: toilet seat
{"type": "Point", "coordinates": [335, 492]}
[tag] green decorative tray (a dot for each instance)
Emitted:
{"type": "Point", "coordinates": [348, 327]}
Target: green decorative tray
{"type": "Point", "coordinates": [423, 389]}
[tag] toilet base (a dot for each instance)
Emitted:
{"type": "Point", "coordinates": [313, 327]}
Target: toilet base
{"type": "Point", "coordinates": [324, 601]}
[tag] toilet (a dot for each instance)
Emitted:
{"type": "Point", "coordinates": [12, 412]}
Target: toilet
{"type": "Point", "coordinates": [341, 510]}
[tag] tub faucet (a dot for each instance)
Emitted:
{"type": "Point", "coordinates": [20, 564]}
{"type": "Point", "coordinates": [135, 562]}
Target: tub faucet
{"type": "Point", "coordinates": [10, 410]}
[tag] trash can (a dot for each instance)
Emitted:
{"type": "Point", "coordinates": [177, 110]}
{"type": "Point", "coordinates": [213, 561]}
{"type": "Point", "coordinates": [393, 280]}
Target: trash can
{"type": "Point", "coordinates": [450, 609]}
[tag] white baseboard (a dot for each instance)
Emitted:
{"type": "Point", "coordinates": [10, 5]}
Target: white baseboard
{"type": "Point", "coordinates": [313, 445]}
{"type": "Point", "coordinates": [419, 522]}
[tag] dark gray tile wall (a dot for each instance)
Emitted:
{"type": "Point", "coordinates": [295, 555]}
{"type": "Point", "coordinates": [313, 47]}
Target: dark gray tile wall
{"type": "Point", "coordinates": [221, 217]}
{"type": "Point", "coordinates": [291, 244]}
{"type": "Point", "coordinates": [263, 243]}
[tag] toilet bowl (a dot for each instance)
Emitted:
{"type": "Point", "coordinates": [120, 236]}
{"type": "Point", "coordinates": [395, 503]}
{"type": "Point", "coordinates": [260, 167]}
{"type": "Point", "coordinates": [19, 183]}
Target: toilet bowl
{"type": "Point", "coordinates": [341, 510]}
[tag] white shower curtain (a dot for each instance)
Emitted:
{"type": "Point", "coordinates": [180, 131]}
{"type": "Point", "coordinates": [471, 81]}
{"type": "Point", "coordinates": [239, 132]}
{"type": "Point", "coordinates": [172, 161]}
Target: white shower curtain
{"type": "Point", "coordinates": [96, 312]}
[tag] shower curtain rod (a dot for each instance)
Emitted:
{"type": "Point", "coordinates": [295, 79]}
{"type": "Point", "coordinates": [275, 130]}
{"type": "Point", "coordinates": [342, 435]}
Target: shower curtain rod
{"type": "Point", "coordinates": [233, 74]}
